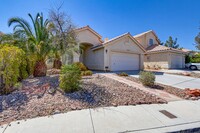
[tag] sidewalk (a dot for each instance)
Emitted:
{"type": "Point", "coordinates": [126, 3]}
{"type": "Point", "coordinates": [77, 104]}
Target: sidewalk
{"type": "Point", "coordinates": [140, 118]}
{"type": "Point", "coordinates": [159, 93]}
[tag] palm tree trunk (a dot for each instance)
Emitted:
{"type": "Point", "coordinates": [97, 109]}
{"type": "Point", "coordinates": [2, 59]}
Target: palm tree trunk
{"type": "Point", "coordinates": [57, 64]}
{"type": "Point", "coordinates": [40, 69]}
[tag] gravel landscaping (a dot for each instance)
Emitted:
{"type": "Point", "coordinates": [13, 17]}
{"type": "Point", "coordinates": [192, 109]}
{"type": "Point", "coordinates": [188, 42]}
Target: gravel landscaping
{"type": "Point", "coordinates": [172, 90]}
{"type": "Point", "coordinates": [34, 99]}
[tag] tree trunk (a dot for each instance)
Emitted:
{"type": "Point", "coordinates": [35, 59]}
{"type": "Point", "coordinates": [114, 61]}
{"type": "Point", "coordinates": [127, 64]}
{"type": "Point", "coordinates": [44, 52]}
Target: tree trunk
{"type": "Point", "coordinates": [57, 64]}
{"type": "Point", "coordinates": [40, 69]}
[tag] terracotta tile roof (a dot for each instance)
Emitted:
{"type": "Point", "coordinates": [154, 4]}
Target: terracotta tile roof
{"type": "Point", "coordinates": [161, 48]}
{"type": "Point", "coordinates": [186, 50]}
{"type": "Point", "coordinates": [88, 27]}
{"type": "Point", "coordinates": [110, 40]}
{"type": "Point", "coordinates": [143, 33]}
{"type": "Point", "coordinates": [150, 31]}
{"type": "Point", "coordinates": [126, 34]}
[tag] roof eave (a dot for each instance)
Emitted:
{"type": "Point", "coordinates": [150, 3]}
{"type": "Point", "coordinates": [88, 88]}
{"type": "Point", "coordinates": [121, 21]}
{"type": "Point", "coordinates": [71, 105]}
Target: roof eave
{"type": "Point", "coordinates": [163, 51]}
{"type": "Point", "coordinates": [98, 47]}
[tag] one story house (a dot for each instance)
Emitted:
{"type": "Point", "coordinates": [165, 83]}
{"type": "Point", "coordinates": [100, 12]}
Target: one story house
{"type": "Point", "coordinates": [125, 52]}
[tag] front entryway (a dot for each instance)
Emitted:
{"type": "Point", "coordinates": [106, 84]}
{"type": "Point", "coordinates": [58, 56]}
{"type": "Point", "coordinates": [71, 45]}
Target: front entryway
{"type": "Point", "coordinates": [124, 61]}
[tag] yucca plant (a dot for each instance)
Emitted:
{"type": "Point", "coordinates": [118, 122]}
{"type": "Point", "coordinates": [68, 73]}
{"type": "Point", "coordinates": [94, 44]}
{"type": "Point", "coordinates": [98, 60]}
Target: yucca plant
{"type": "Point", "coordinates": [37, 39]}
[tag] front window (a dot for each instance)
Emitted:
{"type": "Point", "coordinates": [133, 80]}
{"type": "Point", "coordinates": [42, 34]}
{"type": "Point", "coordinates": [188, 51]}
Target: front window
{"type": "Point", "coordinates": [150, 42]}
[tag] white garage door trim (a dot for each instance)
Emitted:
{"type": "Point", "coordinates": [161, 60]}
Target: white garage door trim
{"type": "Point", "coordinates": [124, 61]}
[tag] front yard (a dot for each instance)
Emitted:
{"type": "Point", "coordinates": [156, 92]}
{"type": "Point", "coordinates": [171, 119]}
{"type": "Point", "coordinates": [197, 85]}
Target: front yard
{"type": "Point", "coordinates": [182, 93]}
{"type": "Point", "coordinates": [172, 90]}
{"type": "Point", "coordinates": [34, 99]}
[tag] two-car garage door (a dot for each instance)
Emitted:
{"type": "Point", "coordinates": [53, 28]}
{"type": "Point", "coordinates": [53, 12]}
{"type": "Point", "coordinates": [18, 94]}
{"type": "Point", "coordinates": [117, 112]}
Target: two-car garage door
{"type": "Point", "coordinates": [124, 61]}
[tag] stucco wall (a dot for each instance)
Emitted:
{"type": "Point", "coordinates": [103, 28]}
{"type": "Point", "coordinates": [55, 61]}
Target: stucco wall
{"type": "Point", "coordinates": [125, 45]}
{"type": "Point", "coordinates": [156, 61]}
{"type": "Point", "coordinates": [94, 59]}
{"type": "Point", "coordinates": [87, 36]}
{"type": "Point", "coordinates": [144, 40]}
{"type": "Point", "coordinates": [163, 60]}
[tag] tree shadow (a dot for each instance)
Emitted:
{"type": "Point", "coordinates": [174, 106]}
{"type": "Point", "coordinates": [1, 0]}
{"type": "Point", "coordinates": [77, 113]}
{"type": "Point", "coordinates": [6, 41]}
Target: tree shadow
{"type": "Point", "coordinates": [18, 98]}
{"type": "Point", "coordinates": [94, 95]}
{"type": "Point", "coordinates": [14, 100]}
{"type": "Point", "coordinates": [158, 87]}
{"type": "Point", "coordinates": [39, 81]}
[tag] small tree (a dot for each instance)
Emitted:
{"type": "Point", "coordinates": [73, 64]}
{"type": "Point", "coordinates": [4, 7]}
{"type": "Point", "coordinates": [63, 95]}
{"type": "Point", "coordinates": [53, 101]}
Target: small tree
{"type": "Point", "coordinates": [197, 40]}
{"type": "Point", "coordinates": [63, 36]}
{"type": "Point", "coordinates": [171, 43]}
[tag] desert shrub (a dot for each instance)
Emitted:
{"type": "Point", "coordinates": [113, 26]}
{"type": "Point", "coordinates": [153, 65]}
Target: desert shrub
{"type": "Point", "coordinates": [86, 73]}
{"type": "Point", "coordinates": [31, 60]}
{"type": "Point", "coordinates": [18, 85]}
{"type": "Point", "coordinates": [147, 78]}
{"type": "Point", "coordinates": [23, 73]}
{"type": "Point", "coordinates": [81, 66]}
{"type": "Point", "coordinates": [12, 66]}
{"type": "Point", "coordinates": [122, 74]}
{"type": "Point", "coordinates": [195, 58]}
{"type": "Point", "coordinates": [70, 78]}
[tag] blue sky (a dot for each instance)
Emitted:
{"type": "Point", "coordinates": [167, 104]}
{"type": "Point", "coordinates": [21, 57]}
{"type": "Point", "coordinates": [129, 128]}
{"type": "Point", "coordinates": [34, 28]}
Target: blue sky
{"type": "Point", "coordinates": [110, 18]}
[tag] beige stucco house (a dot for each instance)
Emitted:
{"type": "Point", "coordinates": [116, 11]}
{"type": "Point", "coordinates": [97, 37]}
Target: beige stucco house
{"type": "Point", "coordinates": [125, 52]}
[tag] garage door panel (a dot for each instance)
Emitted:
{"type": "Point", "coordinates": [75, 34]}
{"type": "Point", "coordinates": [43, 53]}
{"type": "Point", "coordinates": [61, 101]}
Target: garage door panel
{"type": "Point", "coordinates": [124, 61]}
{"type": "Point", "coordinates": [176, 61]}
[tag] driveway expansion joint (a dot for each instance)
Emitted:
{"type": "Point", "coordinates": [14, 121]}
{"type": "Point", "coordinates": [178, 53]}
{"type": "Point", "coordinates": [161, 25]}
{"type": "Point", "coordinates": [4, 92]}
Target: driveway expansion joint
{"type": "Point", "coordinates": [92, 121]}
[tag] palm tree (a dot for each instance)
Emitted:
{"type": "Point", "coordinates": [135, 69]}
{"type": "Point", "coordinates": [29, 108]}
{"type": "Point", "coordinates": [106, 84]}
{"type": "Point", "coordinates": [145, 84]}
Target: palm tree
{"type": "Point", "coordinates": [37, 39]}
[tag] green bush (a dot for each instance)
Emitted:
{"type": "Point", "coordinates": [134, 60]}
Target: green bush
{"type": "Point", "coordinates": [12, 66]}
{"type": "Point", "coordinates": [147, 78]}
{"type": "Point", "coordinates": [122, 74]}
{"type": "Point", "coordinates": [195, 58]}
{"type": "Point", "coordinates": [86, 73]}
{"type": "Point", "coordinates": [70, 78]}
{"type": "Point", "coordinates": [81, 66]}
{"type": "Point", "coordinates": [31, 60]}
{"type": "Point", "coordinates": [187, 59]}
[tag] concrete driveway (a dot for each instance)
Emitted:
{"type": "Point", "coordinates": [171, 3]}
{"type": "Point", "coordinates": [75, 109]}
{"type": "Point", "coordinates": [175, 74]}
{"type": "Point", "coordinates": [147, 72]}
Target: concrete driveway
{"type": "Point", "coordinates": [181, 82]}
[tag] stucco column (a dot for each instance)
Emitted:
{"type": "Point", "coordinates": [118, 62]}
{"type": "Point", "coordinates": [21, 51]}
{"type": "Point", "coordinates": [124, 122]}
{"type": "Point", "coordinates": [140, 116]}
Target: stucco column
{"type": "Point", "coordinates": [169, 60]}
{"type": "Point", "coordinates": [106, 59]}
{"type": "Point", "coordinates": [141, 61]}
{"type": "Point", "coordinates": [183, 60]}
{"type": "Point", "coordinates": [77, 56]}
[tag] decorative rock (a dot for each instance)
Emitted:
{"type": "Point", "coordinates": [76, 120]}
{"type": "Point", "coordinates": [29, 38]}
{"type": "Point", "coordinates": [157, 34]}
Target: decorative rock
{"type": "Point", "coordinates": [95, 92]}
{"type": "Point", "coordinates": [51, 90]}
{"type": "Point", "coordinates": [114, 104]}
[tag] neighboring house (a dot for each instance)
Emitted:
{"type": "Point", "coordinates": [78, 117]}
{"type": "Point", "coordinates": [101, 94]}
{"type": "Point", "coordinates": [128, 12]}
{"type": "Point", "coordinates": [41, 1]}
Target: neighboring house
{"type": "Point", "coordinates": [158, 56]}
{"type": "Point", "coordinates": [190, 52]}
{"type": "Point", "coordinates": [125, 52]}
